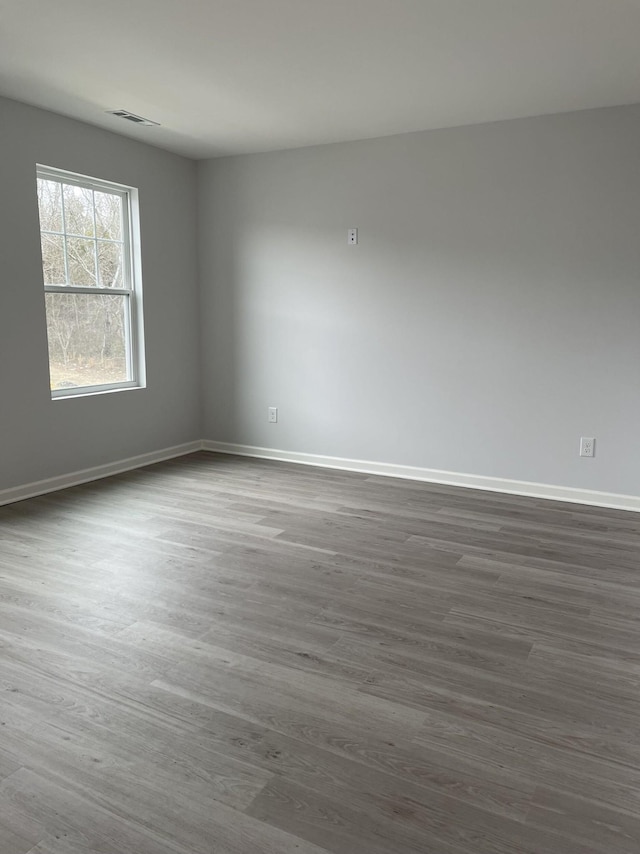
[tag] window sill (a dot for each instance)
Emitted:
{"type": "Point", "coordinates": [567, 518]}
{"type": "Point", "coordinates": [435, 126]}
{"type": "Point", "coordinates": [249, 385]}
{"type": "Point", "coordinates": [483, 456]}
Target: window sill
{"type": "Point", "coordinates": [92, 391]}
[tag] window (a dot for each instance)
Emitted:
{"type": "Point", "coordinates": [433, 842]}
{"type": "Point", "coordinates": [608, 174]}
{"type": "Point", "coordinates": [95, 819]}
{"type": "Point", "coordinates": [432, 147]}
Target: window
{"type": "Point", "coordinates": [91, 267]}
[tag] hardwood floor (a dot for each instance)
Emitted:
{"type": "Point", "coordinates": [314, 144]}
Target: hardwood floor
{"type": "Point", "coordinates": [236, 656]}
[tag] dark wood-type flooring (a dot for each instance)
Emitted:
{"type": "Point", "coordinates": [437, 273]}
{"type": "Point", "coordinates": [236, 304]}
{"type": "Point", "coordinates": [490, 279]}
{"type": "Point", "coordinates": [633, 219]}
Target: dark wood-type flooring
{"type": "Point", "coordinates": [219, 655]}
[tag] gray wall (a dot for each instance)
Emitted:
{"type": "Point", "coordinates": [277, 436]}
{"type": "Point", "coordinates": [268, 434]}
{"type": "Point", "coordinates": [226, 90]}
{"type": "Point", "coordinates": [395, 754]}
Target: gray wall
{"type": "Point", "coordinates": [488, 318]}
{"type": "Point", "coordinates": [41, 438]}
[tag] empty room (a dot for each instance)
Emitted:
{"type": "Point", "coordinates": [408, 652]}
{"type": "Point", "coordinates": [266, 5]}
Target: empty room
{"type": "Point", "coordinates": [319, 485]}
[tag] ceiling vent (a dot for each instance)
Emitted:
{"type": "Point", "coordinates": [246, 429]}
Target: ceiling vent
{"type": "Point", "coordinates": [131, 117]}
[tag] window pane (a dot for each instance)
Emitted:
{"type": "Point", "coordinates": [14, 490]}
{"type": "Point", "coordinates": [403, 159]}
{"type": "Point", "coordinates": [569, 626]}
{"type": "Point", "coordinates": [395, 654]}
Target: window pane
{"type": "Point", "coordinates": [53, 259]}
{"type": "Point", "coordinates": [110, 259]}
{"type": "Point", "coordinates": [81, 261]}
{"type": "Point", "coordinates": [50, 205]}
{"type": "Point", "coordinates": [87, 339]}
{"type": "Point", "coordinates": [86, 246]}
{"type": "Point", "coordinates": [108, 215]}
{"type": "Point", "coordinates": [78, 210]}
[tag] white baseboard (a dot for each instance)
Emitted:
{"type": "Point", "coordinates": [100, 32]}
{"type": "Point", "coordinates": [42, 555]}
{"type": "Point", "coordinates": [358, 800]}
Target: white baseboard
{"type": "Point", "coordinates": [449, 478]}
{"type": "Point", "coordinates": [472, 481]}
{"type": "Point", "coordinates": [40, 487]}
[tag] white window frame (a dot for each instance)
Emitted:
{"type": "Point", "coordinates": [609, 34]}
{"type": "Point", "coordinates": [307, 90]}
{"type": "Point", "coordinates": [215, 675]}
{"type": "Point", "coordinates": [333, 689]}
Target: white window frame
{"type": "Point", "coordinates": [132, 278]}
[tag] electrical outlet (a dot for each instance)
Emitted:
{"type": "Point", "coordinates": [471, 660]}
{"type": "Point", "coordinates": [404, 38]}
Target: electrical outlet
{"type": "Point", "coordinates": [352, 236]}
{"type": "Point", "coordinates": [587, 447]}
{"type": "Point", "coordinates": [273, 415]}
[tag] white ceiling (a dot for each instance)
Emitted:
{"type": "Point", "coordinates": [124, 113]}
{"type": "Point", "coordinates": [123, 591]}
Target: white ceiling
{"type": "Point", "coordinates": [235, 76]}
